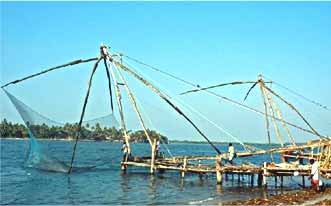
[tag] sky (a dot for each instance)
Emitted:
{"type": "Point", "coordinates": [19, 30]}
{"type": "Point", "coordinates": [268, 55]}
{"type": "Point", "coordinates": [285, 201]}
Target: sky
{"type": "Point", "coordinates": [203, 42]}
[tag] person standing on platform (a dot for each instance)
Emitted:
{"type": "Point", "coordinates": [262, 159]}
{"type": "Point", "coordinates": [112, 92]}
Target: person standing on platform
{"type": "Point", "coordinates": [231, 153]}
{"type": "Point", "coordinates": [125, 152]}
{"type": "Point", "coordinates": [314, 174]}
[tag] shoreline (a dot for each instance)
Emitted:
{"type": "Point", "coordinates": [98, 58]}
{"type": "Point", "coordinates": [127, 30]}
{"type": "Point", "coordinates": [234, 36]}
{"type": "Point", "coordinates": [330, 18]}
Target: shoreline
{"type": "Point", "coordinates": [306, 196]}
{"type": "Point", "coordinates": [89, 140]}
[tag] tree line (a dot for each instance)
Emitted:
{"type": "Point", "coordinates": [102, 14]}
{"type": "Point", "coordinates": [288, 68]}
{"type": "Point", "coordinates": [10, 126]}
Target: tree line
{"type": "Point", "coordinates": [69, 131]}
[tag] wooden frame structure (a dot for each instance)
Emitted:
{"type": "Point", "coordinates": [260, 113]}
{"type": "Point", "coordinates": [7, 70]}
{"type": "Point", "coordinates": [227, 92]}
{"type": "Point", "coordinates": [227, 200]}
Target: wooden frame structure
{"type": "Point", "coordinates": [193, 164]}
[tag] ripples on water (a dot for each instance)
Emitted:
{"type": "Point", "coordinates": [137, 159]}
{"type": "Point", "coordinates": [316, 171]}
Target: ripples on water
{"type": "Point", "coordinates": [106, 184]}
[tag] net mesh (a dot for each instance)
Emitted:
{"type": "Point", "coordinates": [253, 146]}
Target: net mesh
{"type": "Point", "coordinates": [50, 155]}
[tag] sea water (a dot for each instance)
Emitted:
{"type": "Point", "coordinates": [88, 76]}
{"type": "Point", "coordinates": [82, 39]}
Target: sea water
{"type": "Point", "coordinates": [107, 184]}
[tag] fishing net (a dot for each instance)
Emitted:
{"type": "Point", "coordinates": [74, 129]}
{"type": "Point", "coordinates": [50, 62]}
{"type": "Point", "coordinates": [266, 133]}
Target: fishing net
{"type": "Point", "coordinates": [56, 155]}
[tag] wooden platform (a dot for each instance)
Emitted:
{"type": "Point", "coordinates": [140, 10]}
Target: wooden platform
{"type": "Point", "coordinates": [192, 164]}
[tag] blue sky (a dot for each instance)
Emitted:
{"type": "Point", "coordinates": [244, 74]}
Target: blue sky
{"type": "Point", "coordinates": [203, 42]}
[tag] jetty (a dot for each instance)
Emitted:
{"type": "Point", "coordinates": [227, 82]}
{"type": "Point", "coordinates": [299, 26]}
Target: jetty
{"type": "Point", "coordinates": [292, 155]}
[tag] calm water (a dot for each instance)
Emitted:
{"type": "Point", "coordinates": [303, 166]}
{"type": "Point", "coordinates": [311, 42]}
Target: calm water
{"type": "Point", "coordinates": [106, 184]}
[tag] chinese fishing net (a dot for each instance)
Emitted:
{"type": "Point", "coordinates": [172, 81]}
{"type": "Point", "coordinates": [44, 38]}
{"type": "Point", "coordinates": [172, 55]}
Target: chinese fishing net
{"type": "Point", "coordinates": [56, 155]}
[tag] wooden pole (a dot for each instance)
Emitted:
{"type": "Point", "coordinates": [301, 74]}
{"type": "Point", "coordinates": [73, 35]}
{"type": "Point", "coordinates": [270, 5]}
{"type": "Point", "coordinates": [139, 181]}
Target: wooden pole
{"type": "Point", "coordinates": [280, 116]}
{"type": "Point", "coordinates": [218, 169]}
{"type": "Point", "coordinates": [261, 82]}
{"type": "Point", "coordinates": [199, 166]}
{"type": "Point", "coordinates": [153, 156]}
{"type": "Point", "coordinates": [184, 167]}
{"type": "Point", "coordinates": [109, 85]}
{"type": "Point", "coordinates": [265, 107]}
{"type": "Point", "coordinates": [264, 174]}
{"type": "Point", "coordinates": [213, 93]}
{"type": "Point", "coordinates": [123, 167]}
{"type": "Point", "coordinates": [295, 109]}
{"type": "Point", "coordinates": [162, 96]}
{"type": "Point", "coordinates": [51, 69]}
{"type": "Point", "coordinates": [134, 104]}
{"type": "Point", "coordinates": [78, 133]}
{"type": "Point", "coordinates": [303, 181]}
{"type": "Point", "coordinates": [275, 180]}
{"type": "Point", "coordinates": [274, 121]}
{"type": "Point", "coordinates": [252, 180]}
{"type": "Point", "coordinates": [259, 179]}
{"type": "Point", "coordinates": [119, 103]}
{"type": "Point", "coordinates": [281, 180]}
{"type": "Point", "coordinates": [219, 85]}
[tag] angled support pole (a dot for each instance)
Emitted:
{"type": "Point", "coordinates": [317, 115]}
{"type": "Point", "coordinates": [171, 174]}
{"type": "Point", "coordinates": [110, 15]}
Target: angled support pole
{"type": "Point", "coordinates": [134, 104]}
{"type": "Point", "coordinates": [162, 96]}
{"type": "Point", "coordinates": [280, 116]}
{"type": "Point", "coordinates": [50, 69]}
{"type": "Point", "coordinates": [118, 98]}
{"type": "Point", "coordinates": [78, 133]}
{"type": "Point", "coordinates": [279, 135]}
{"type": "Point", "coordinates": [265, 106]}
{"type": "Point", "coordinates": [109, 85]}
{"type": "Point", "coordinates": [260, 80]}
{"type": "Point", "coordinates": [295, 109]}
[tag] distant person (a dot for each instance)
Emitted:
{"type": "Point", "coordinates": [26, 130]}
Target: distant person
{"type": "Point", "coordinates": [157, 148]}
{"type": "Point", "coordinates": [231, 153]}
{"type": "Point", "coordinates": [125, 152]}
{"type": "Point", "coordinates": [314, 175]}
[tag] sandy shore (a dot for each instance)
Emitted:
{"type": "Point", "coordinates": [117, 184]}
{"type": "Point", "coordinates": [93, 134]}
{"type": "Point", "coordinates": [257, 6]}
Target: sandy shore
{"type": "Point", "coordinates": [302, 197]}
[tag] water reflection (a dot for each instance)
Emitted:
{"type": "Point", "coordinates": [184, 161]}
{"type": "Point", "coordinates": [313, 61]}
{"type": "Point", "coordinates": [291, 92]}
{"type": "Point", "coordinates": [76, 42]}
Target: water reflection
{"type": "Point", "coordinates": [218, 188]}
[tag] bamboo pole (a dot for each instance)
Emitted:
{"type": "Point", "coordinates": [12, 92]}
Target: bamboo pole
{"type": "Point", "coordinates": [259, 179]}
{"type": "Point", "coordinates": [250, 89]}
{"type": "Point", "coordinates": [265, 111]}
{"type": "Point", "coordinates": [158, 92]}
{"type": "Point", "coordinates": [78, 133]}
{"type": "Point", "coordinates": [119, 103]}
{"type": "Point", "coordinates": [259, 152]}
{"type": "Point", "coordinates": [184, 167]}
{"type": "Point", "coordinates": [153, 157]}
{"type": "Point", "coordinates": [51, 69]}
{"type": "Point", "coordinates": [280, 116]}
{"type": "Point", "coordinates": [273, 120]}
{"type": "Point", "coordinates": [218, 169]}
{"type": "Point", "coordinates": [265, 107]}
{"type": "Point", "coordinates": [134, 104]}
{"type": "Point", "coordinates": [255, 110]}
{"type": "Point", "coordinates": [264, 180]}
{"type": "Point", "coordinates": [295, 109]}
{"type": "Point", "coordinates": [214, 94]}
{"type": "Point", "coordinates": [109, 85]}
{"type": "Point", "coordinates": [218, 85]}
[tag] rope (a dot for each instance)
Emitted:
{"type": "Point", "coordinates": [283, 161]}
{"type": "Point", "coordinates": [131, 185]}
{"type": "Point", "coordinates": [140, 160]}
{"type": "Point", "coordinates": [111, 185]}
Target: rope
{"type": "Point", "coordinates": [219, 96]}
{"type": "Point", "coordinates": [151, 123]}
{"type": "Point", "coordinates": [139, 102]}
{"type": "Point", "coordinates": [163, 72]}
{"type": "Point", "coordinates": [180, 102]}
{"type": "Point", "coordinates": [295, 109]}
{"type": "Point", "coordinates": [170, 103]}
{"type": "Point", "coordinates": [299, 95]}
